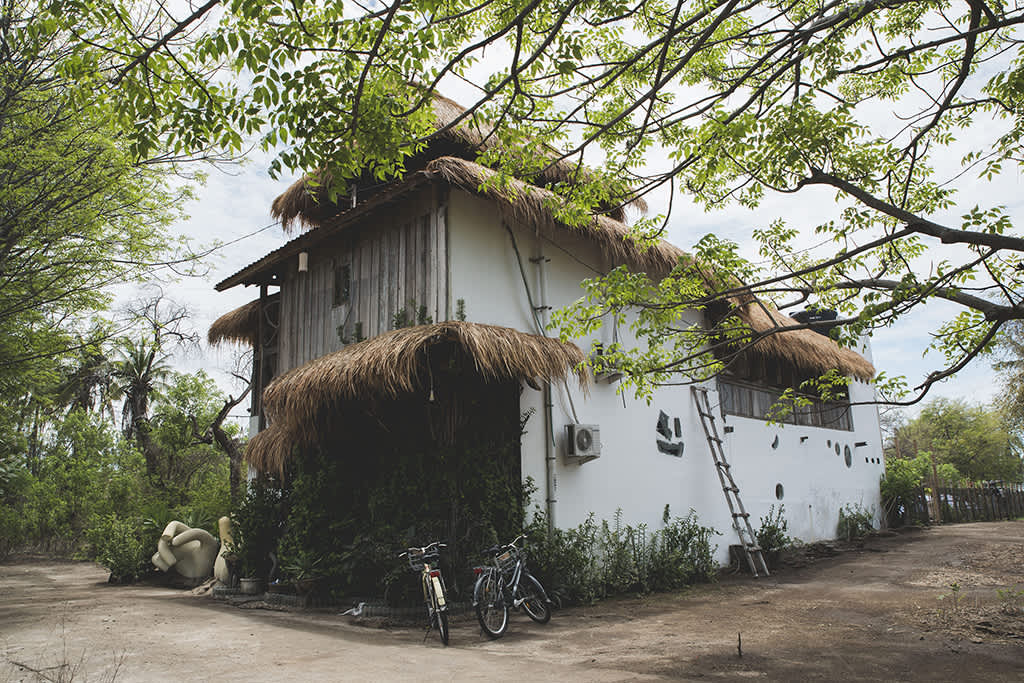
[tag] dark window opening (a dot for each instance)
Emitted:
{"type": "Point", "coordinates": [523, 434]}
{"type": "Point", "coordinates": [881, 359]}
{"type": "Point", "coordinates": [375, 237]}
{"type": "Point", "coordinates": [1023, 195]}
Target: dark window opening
{"type": "Point", "coordinates": [342, 284]}
{"type": "Point", "coordinates": [747, 399]}
{"type": "Point", "coordinates": [753, 387]}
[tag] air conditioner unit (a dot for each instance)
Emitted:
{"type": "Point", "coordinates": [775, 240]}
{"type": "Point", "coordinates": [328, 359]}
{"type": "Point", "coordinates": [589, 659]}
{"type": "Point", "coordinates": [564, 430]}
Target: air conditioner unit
{"type": "Point", "coordinates": [583, 441]}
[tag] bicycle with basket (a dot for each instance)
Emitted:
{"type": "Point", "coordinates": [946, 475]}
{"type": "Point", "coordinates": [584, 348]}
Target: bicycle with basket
{"type": "Point", "coordinates": [508, 583]}
{"type": "Point", "coordinates": [426, 561]}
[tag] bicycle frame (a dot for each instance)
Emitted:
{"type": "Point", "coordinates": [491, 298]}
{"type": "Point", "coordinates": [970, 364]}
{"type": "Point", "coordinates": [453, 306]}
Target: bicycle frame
{"type": "Point", "coordinates": [431, 580]}
{"type": "Point", "coordinates": [426, 560]}
{"type": "Point", "coordinates": [513, 576]}
{"type": "Point", "coordinates": [507, 583]}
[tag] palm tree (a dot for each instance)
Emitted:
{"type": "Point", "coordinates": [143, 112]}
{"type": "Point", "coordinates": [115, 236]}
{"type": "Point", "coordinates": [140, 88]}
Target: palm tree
{"type": "Point", "coordinates": [139, 374]}
{"type": "Point", "coordinates": [88, 381]}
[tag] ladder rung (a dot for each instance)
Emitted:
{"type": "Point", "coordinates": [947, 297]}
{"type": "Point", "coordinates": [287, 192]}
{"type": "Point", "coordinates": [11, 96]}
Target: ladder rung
{"type": "Point", "coordinates": [746, 535]}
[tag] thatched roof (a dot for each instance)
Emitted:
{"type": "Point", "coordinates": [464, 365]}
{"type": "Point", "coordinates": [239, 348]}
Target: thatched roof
{"type": "Point", "coordinates": [535, 207]}
{"type": "Point", "coordinates": [269, 450]}
{"type": "Point", "coordinates": [303, 203]}
{"type": "Point", "coordinates": [804, 348]}
{"type": "Point", "coordinates": [397, 363]}
{"type": "Point", "coordinates": [239, 326]}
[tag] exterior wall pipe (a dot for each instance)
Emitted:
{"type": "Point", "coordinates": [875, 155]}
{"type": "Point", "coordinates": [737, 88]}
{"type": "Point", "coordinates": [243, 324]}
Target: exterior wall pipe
{"type": "Point", "coordinates": [549, 442]}
{"type": "Point", "coordinates": [536, 311]}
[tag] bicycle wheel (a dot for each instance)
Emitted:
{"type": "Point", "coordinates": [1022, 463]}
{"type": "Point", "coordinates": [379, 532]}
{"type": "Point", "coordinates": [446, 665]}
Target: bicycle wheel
{"type": "Point", "coordinates": [491, 610]}
{"type": "Point", "coordinates": [442, 626]}
{"type": "Point", "coordinates": [437, 615]}
{"type": "Point", "coordinates": [440, 602]}
{"type": "Point", "coordinates": [534, 599]}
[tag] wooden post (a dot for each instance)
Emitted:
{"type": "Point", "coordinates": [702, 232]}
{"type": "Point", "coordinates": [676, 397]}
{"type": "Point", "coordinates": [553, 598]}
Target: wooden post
{"type": "Point", "coordinates": [260, 348]}
{"type": "Point", "coordinates": [936, 509]}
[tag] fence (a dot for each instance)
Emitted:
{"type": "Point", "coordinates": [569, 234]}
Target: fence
{"type": "Point", "coordinates": [958, 504]}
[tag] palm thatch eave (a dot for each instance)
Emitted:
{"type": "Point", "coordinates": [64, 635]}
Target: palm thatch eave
{"type": "Point", "coordinates": [533, 206]}
{"type": "Point", "coordinates": [802, 348]}
{"type": "Point", "coordinates": [240, 326]}
{"type": "Point", "coordinates": [393, 364]}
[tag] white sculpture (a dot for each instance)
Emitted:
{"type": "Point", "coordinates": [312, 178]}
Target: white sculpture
{"type": "Point", "coordinates": [220, 567]}
{"type": "Point", "coordinates": [190, 552]}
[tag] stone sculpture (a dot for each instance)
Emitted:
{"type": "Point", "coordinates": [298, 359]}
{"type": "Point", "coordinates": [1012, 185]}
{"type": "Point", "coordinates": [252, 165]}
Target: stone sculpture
{"type": "Point", "coordinates": [222, 569]}
{"type": "Point", "coordinates": [189, 552]}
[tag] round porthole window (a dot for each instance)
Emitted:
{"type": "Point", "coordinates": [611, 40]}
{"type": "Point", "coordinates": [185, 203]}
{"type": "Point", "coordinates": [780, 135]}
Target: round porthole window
{"type": "Point", "coordinates": [775, 443]}
{"type": "Point", "coordinates": [848, 456]}
{"type": "Point", "coordinates": [779, 491]}
{"type": "Point", "coordinates": [837, 448]}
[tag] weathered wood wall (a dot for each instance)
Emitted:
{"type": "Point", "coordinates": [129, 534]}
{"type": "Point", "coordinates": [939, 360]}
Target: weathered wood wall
{"type": "Point", "coordinates": [396, 262]}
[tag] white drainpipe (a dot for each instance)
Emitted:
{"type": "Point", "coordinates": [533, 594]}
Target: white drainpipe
{"type": "Point", "coordinates": [551, 477]}
{"type": "Point", "coordinates": [539, 313]}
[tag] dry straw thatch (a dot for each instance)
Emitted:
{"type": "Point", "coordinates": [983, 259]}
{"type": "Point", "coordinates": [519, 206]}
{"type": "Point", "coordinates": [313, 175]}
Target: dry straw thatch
{"type": "Point", "coordinates": [536, 207]}
{"type": "Point", "coordinates": [396, 363]}
{"type": "Point", "coordinates": [237, 326]}
{"type": "Point", "coordinates": [804, 348]}
{"type": "Point", "coordinates": [303, 203]}
{"type": "Point", "coordinates": [241, 325]}
{"type": "Point", "coordinates": [270, 450]}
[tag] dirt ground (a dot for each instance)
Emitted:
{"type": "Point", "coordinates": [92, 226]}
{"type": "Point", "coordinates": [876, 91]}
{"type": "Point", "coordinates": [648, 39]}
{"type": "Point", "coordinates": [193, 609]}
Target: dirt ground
{"type": "Point", "coordinates": [938, 604]}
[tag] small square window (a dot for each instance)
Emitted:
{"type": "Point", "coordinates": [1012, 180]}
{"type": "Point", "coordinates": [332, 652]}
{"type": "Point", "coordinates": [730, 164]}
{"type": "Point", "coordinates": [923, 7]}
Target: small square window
{"type": "Point", "coordinates": [342, 284]}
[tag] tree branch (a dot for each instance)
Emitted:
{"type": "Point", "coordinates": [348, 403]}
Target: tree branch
{"type": "Point", "coordinates": [913, 222]}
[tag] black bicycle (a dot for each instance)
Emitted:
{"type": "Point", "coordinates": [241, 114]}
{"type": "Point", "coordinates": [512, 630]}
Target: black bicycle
{"type": "Point", "coordinates": [426, 561]}
{"type": "Point", "coordinates": [508, 583]}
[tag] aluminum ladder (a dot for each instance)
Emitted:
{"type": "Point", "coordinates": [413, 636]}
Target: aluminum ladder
{"type": "Point", "coordinates": [740, 516]}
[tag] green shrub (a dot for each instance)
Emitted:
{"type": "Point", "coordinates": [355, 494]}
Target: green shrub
{"type": "Point", "coordinates": [589, 562]}
{"type": "Point", "coordinates": [254, 528]}
{"type": "Point", "coordinates": [771, 535]}
{"type": "Point", "coordinates": [854, 522]}
{"type": "Point", "coordinates": [124, 546]}
{"type": "Point", "coordinates": [12, 535]}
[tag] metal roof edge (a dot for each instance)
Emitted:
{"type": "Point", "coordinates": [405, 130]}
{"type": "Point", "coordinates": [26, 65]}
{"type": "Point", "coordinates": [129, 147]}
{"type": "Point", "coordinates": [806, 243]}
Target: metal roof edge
{"type": "Point", "coordinates": [329, 229]}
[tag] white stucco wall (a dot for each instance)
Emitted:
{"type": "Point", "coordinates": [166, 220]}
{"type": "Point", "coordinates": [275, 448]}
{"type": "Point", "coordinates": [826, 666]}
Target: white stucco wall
{"type": "Point", "coordinates": [632, 474]}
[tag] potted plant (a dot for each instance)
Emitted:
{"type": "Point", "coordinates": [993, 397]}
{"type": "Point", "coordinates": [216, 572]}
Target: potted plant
{"type": "Point", "coordinates": [303, 570]}
{"type": "Point", "coordinates": [772, 536]}
{"type": "Point", "coordinates": [254, 525]}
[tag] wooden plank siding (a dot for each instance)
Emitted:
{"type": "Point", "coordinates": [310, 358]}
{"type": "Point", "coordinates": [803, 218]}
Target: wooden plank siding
{"type": "Point", "coordinates": [396, 260]}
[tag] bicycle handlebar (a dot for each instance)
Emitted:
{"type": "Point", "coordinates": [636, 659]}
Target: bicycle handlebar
{"type": "Point", "coordinates": [427, 549]}
{"type": "Point", "coordinates": [498, 548]}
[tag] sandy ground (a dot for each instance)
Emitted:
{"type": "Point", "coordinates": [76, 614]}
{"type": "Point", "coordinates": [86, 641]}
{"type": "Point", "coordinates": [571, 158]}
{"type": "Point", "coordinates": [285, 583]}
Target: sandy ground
{"type": "Point", "coordinates": [939, 604]}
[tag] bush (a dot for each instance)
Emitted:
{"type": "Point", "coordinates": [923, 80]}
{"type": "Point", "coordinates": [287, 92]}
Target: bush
{"type": "Point", "coordinates": [123, 546]}
{"type": "Point", "coordinates": [589, 562]}
{"type": "Point", "coordinates": [255, 528]}
{"type": "Point", "coordinates": [772, 533]}
{"type": "Point", "coordinates": [854, 522]}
